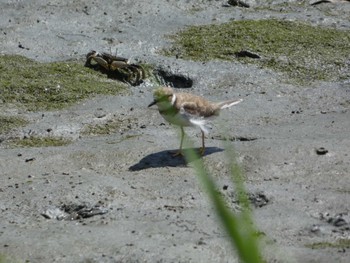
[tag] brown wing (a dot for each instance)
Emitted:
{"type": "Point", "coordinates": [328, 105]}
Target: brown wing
{"type": "Point", "coordinates": [198, 108]}
{"type": "Point", "coordinates": [195, 105]}
{"type": "Point", "coordinates": [191, 108]}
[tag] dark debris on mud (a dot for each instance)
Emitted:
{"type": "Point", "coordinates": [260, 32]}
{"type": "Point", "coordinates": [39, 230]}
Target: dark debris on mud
{"type": "Point", "coordinates": [73, 211]}
{"type": "Point", "coordinates": [175, 80]}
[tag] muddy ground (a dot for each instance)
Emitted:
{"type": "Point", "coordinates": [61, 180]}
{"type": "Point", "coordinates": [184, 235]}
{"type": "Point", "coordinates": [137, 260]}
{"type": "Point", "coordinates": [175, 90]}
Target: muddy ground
{"type": "Point", "coordinates": [146, 205]}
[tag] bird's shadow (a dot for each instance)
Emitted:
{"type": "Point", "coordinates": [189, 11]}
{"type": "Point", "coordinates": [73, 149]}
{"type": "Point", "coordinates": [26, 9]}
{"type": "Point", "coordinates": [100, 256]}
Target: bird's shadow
{"type": "Point", "coordinates": [166, 159]}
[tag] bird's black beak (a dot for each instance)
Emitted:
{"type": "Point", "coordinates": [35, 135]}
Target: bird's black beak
{"type": "Point", "coordinates": [152, 103]}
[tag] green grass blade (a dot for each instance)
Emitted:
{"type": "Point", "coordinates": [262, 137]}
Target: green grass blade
{"type": "Point", "coordinates": [239, 226]}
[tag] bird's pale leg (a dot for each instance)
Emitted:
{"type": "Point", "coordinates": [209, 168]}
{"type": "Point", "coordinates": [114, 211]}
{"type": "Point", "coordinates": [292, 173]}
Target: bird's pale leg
{"type": "Point", "coordinates": [179, 152]}
{"type": "Point", "coordinates": [202, 150]}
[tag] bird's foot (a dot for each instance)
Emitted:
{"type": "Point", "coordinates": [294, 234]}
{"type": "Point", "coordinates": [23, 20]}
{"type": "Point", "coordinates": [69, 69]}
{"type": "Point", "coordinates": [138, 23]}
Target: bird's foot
{"type": "Point", "coordinates": [202, 151]}
{"type": "Point", "coordinates": [177, 153]}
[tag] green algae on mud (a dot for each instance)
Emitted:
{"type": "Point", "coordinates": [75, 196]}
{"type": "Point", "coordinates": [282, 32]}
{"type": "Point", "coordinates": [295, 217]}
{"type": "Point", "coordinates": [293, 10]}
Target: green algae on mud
{"type": "Point", "coordinates": [305, 53]}
{"type": "Point", "coordinates": [339, 244]}
{"type": "Point", "coordinates": [108, 127]}
{"type": "Point", "coordinates": [8, 123]}
{"type": "Point", "coordinates": [40, 142]}
{"type": "Point", "coordinates": [47, 86]}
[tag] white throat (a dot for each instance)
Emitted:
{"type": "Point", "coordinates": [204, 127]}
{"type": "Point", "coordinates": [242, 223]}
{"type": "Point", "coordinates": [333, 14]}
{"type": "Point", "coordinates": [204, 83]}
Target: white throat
{"type": "Point", "coordinates": [173, 99]}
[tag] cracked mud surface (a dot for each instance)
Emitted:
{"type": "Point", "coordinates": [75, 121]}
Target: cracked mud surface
{"type": "Point", "coordinates": [292, 142]}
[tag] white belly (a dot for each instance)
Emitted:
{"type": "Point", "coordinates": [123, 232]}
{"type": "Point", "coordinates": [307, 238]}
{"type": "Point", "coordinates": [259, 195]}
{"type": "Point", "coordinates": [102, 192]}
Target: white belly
{"type": "Point", "coordinates": [178, 119]}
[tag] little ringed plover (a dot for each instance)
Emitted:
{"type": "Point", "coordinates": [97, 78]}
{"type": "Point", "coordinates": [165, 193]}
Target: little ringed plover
{"type": "Point", "coordinates": [186, 109]}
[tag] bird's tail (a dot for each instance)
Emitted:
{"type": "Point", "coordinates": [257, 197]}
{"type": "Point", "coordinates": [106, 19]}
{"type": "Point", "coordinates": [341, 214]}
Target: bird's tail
{"type": "Point", "coordinates": [201, 123]}
{"type": "Point", "coordinates": [228, 104]}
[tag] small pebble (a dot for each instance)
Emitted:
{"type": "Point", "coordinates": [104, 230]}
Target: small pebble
{"type": "Point", "coordinates": [321, 151]}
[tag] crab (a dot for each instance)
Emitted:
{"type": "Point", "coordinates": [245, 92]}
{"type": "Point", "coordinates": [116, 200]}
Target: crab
{"type": "Point", "coordinates": [115, 67]}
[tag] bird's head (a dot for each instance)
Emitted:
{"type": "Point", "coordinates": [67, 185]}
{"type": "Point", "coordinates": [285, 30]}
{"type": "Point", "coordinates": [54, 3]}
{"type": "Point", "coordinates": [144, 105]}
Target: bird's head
{"type": "Point", "coordinates": [162, 95]}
